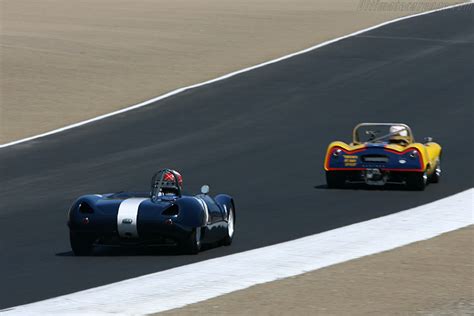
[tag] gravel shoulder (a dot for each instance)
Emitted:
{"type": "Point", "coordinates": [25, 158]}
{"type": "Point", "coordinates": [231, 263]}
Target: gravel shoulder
{"type": "Point", "coordinates": [432, 277]}
{"type": "Point", "coordinates": [66, 61]}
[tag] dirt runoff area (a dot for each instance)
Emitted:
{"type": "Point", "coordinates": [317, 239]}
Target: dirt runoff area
{"type": "Point", "coordinates": [66, 61]}
{"type": "Point", "coordinates": [433, 277]}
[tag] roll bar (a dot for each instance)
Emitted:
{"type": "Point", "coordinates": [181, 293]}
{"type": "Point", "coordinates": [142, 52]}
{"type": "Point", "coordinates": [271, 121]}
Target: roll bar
{"type": "Point", "coordinates": [157, 181]}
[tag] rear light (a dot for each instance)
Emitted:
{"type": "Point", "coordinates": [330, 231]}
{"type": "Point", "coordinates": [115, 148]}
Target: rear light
{"type": "Point", "coordinates": [413, 154]}
{"type": "Point", "coordinates": [337, 153]}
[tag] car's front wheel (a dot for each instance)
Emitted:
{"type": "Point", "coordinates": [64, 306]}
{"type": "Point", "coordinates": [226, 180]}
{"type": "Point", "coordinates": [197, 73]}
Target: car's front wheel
{"type": "Point", "coordinates": [81, 244]}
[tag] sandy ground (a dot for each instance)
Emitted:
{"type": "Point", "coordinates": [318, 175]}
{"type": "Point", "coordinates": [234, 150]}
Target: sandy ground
{"type": "Point", "coordinates": [433, 277]}
{"type": "Point", "coordinates": [65, 61]}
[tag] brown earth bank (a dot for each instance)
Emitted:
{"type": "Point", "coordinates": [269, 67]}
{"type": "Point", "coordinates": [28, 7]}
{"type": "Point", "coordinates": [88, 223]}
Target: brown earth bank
{"type": "Point", "coordinates": [432, 277]}
{"type": "Point", "coordinates": [66, 61]}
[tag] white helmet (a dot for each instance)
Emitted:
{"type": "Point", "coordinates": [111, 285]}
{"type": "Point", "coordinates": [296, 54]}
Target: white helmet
{"type": "Point", "coordinates": [398, 130]}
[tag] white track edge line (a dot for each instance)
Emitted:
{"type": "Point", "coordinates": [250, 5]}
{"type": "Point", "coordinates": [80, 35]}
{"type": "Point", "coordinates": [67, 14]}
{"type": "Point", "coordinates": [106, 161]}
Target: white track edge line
{"type": "Point", "coordinates": [232, 74]}
{"type": "Point", "coordinates": [194, 283]}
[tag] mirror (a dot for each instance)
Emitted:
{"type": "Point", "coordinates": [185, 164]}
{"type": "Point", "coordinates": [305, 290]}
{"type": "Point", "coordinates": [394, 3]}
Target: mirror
{"type": "Point", "coordinates": [205, 189]}
{"type": "Point", "coordinates": [428, 139]}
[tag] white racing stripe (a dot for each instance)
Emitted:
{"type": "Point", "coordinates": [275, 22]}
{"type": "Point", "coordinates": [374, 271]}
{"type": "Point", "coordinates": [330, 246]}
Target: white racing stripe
{"type": "Point", "coordinates": [127, 217]}
{"type": "Point", "coordinates": [232, 74]}
{"type": "Point", "coordinates": [185, 285]}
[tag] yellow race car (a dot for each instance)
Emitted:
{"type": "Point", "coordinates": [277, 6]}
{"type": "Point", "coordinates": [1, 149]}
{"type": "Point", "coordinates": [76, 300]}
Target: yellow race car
{"type": "Point", "coordinates": [383, 153]}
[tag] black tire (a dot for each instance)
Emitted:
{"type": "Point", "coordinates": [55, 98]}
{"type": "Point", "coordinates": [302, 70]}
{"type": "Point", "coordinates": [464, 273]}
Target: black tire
{"type": "Point", "coordinates": [436, 176]}
{"type": "Point", "coordinates": [417, 181]}
{"type": "Point", "coordinates": [335, 179]}
{"type": "Point", "coordinates": [227, 240]}
{"type": "Point", "coordinates": [192, 245]}
{"type": "Point", "coordinates": [81, 244]}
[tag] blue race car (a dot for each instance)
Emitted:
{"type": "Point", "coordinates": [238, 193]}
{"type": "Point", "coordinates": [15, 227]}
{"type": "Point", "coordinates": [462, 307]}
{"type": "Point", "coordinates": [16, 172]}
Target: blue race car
{"type": "Point", "coordinates": [162, 217]}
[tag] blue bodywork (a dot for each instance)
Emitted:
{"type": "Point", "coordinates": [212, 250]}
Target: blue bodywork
{"type": "Point", "coordinates": [165, 220]}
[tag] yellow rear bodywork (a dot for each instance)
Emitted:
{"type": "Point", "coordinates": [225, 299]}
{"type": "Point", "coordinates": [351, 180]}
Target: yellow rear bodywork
{"type": "Point", "coordinates": [430, 152]}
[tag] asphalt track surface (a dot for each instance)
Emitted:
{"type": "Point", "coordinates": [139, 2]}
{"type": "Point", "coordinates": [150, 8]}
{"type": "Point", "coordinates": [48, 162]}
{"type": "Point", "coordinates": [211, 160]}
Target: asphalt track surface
{"type": "Point", "coordinates": [260, 136]}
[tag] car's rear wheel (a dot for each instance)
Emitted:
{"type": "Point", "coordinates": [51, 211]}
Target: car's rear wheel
{"type": "Point", "coordinates": [335, 179]}
{"type": "Point", "coordinates": [82, 244]}
{"type": "Point", "coordinates": [192, 245]}
{"type": "Point", "coordinates": [417, 181]}
{"type": "Point", "coordinates": [227, 240]}
{"type": "Point", "coordinates": [435, 177]}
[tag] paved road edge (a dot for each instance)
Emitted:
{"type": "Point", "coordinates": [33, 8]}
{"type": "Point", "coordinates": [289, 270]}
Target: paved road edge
{"type": "Point", "coordinates": [192, 283]}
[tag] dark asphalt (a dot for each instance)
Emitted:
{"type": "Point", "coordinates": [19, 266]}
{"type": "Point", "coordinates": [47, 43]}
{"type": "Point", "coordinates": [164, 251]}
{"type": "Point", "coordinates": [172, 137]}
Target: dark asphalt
{"type": "Point", "coordinates": [260, 136]}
